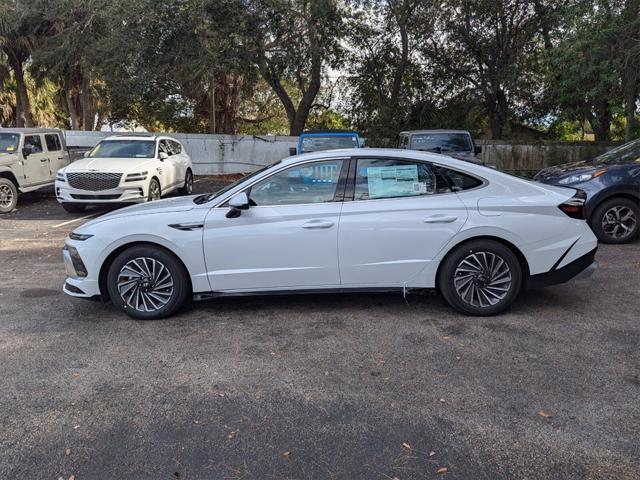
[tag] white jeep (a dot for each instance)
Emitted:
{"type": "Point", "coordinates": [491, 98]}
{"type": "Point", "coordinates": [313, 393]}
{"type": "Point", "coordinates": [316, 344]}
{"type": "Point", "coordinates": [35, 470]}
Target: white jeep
{"type": "Point", "coordinates": [125, 169]}
{"type": "Point", "coordinates": [29, 160]}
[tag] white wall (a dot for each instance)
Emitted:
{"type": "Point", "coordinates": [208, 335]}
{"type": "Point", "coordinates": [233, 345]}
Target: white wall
{"type": "Point", "coordinates": [213, 154]}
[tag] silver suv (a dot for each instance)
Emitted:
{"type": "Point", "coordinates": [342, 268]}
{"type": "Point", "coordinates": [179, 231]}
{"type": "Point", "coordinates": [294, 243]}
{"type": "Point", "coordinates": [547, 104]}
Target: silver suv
{"type": "Point", "coordinates": [29, 160]}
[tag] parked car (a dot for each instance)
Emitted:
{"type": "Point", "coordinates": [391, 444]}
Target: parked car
{"type": "Point", "coordinates": [348, 220]}
{"type": "Point", "coordinates": [29, 160]}
{"type": "Point", "coordinates": [125, 169]}
{"type": "Point", "coordinates": [612, 184]}
{"type": "Point", "coordinates": [456, 143]}
{"type": "Point", "coordinates": [316, 141]}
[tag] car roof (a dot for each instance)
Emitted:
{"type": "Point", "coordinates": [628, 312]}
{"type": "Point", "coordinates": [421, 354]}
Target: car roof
{"type": "Point", "coordinates": [401, 153]}
{"type": "Point", "coordinates": [30, 130]}
{"type": "Point", "coordinates": [330, 133]}
{"type": "Point", "coordinates": [139, 136]}
{"type": "Point", "coordinates": [411, 132]}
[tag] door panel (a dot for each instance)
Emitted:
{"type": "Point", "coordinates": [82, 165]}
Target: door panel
{"type": "Point", "coordinates": [273, 247]}
{"type": "Point", "coordinates": [389, 241]}
{"type": "Point", "coordinates": [36, 165]}
{"type": "Point", "coordinates": [57, 156]}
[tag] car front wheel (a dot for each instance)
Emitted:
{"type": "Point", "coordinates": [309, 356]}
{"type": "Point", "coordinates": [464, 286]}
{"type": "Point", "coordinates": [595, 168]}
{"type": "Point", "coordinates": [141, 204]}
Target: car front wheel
{"type": "Point", "coordinates": [154, 190]}
{"type": "Point", "coordinates": [616, 221]}
{"type": "Point", "coordinates": [480, 277]}
{"type": "Point", "coordinates": [148, 282]}
{"type": "Point", "coordinates": [187, 188]}
{"type": "Point", "coordinates": [8, 195]}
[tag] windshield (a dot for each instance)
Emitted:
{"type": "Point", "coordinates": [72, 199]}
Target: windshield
{"type": "Point", "coordinates": [316, 144]}
{"type": "Point", "coordinates": [627, 153]}
{"type": "Point", "coordinates": [9, 142]}
{"type": "Point", "coordinates": [207, 197]}
{"type": "Point", "coordinates": [124, 149]}
{"type": "Point", "coordinates": [442, 142]}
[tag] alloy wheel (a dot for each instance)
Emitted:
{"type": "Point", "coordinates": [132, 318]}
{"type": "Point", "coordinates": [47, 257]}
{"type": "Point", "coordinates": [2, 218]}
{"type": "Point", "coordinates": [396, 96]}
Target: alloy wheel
{"type": "Point", "coordinates": [189, 183]}
{"type": "Point", "coordinates": [6, 196]}
{"type": "Point", "coordinates": [482, 279]}
{"type": "Point", "coordinates": [619, 222]}
{"type": "Point", "coordinates": [154, 191]}
{"type": "Point", "coordinates": [145, 284]}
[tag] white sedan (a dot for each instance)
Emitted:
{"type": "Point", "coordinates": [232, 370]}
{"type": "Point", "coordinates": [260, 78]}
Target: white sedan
{"type": "Point", "coordinates": [125, 169]}
{"type": "Point", "coordinates": [342, 220]}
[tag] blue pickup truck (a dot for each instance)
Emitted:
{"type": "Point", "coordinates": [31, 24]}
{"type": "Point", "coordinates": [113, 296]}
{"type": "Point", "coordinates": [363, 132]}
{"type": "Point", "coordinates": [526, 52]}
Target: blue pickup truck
{"type": "Point", "coordinates": [315, 141]}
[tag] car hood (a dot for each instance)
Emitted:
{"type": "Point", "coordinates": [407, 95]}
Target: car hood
{"type": "Point", "coordinates": [8, 158]}
{"type": "Point", "coordinates": [553, 174]}
{"type": "Point", "coordinates": [118, 165]}
{"type": "Point", "coordinates": [169, 205]}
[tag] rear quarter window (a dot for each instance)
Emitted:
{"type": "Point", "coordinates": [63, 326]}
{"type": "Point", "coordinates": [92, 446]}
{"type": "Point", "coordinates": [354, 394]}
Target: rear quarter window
{"type": "Point", "coordinates": [460, 181]}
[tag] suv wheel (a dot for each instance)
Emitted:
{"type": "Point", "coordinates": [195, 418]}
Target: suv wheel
{"type": "Point", "coordinates": [73, 207]}
{"type": "Point", "coordinates": [480, 277]}
{"type": "Point", "coordinates": [187, 188]}
{"type": "Point", "coordinates": [147, 282]}
{"type": "Point", "coordinates": [8, 195]}
{"type": "Point", "coordinates": [616, 220]}
{"type": "Point", "coordinates": [154, 190]}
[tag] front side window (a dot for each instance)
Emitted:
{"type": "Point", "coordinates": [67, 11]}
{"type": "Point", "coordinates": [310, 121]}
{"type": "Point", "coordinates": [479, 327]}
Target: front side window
{"type": "Point", "coordinates": [176, 148]}
{"type": "Point", "coordinates": [53, 142]}
{"type": "Point", "coordinates": [9, 142]}
{"type": "Point", "coordinates": [441, 142]}
{"type": "Point", "coordinates": [124, 149]}
{"type": "Point", "coordinates": [387, 178]}
{"type": "Point", "coordinates": [33, 143]}
{"type": "Point", "coordinates": [309, 183]}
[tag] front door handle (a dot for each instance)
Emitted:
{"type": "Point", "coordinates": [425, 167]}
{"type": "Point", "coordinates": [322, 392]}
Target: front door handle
{"type": "Point", "coordinates": [440, 219]}
{"type": "Point", "coordinates": [44, 160]}
{"type": "Point", "coordinates": [317, 224]}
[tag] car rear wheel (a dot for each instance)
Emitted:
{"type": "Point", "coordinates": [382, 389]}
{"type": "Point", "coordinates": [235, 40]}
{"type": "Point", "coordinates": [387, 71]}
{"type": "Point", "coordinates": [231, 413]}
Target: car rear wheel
{"type": "Point", "coordinates": [8, 195]}
{"type": "Point", "coordinates": [480, 277]}
{"type": "Point", "coordinates": [187, 188]}
{"type": "Point", "coordinates": [73, 207]}
{"type": "Point", "coordinates": [616, 221]}
{"type": "Point", "coordinates": [148, 282]}
{"type": "Point", "coordinates": [154, 190]}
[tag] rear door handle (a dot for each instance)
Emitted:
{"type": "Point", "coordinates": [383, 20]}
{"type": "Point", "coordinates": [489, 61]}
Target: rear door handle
{"type": "Point", "coordinates": [317, 224]}
{"type": "Point", "coordinates": [440, 219]}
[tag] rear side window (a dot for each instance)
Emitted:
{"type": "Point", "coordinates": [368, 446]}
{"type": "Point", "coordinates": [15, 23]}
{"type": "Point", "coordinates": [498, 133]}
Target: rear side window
{"type": "Point", "coordinates": [390, 178]}
{"type": "Point", "coordinates": [33, 142]}
{"type": "Point", "coordinates": [53, 142]}
{"type": "Point", "coordinates": [460, 181]}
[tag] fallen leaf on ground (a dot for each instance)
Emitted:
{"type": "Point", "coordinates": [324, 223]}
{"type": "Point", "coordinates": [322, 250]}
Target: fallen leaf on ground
{"type": "Point", "coordinates": [442, 470]}
{"type": "Point", "coordinates": [406, 445]}
{"type": "Point", "coordinates": [67, 452]}
{"type": "Point", "coordinates": [442, 400]}
{"type": "Point", "coordinates": [72, 477]}
{"type": "Point", "coordinates": [544, 414]}
{"type": "Point", "coordinates": [232, 434]}
{"type": "Point", "coordinates": [286, 454]}
{"type": "Point", "coordinates": [431, 454]}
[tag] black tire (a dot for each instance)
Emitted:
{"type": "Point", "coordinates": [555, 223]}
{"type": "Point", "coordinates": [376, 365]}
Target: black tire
{"type": "Point", "coordinates": [73, 207]}
{"type": "Point", "coordinates": [477, 297]}
{"type": "Point", "coordinates": [146, 306]}
{"type": "Point", "coordinates": [8, 195]}
{"type": "Point", "coordinates": [187, 188]}
{"type": "Point", "coordinates": [154, 193]}
{"type": "Point", "coordinates": [607, 222]}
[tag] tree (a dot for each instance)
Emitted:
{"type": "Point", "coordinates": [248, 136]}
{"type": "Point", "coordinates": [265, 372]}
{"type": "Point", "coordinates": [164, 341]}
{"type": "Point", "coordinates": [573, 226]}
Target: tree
{"type": "Point", "coordinates": [482, 45]}
{"type": "Point", "coordinates": [294, 41]}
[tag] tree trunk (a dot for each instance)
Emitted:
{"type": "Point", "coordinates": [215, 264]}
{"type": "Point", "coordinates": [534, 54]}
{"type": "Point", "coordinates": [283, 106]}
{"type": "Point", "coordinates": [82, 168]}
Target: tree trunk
{"type": "Point", "coordinates": [601, 123]}
{"type": "Point", "coordinates": [24, 118]}
{"type": "Point", "coordinates": [87, 113]}
{"type": "Point", "coordinates": [73, 112]}
{"type": "Point", "coordinates": [631, 128]}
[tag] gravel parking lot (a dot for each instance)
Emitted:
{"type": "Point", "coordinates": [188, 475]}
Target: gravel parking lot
{"type": "Point", "coordinates": [358, 386]}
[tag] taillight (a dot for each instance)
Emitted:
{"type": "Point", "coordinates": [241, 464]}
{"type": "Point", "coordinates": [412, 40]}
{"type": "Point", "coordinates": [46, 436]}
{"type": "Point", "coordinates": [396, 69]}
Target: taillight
{"type": "Point", "coordinates": [574, 207]}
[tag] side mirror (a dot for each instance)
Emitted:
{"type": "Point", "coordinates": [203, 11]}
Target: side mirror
{"type": "Point", "coordinates": [293, 151]}
{"type": "Point", "coordinates": [26, 151]}
{"type": "Point", "coordinates": [238, 203]}
{"type": "Point", "coordinates": [477, 149]}
{"type": "Point", "coordinates": [163, 156]}
{"type": "Point", "coordinates": [86, 154]}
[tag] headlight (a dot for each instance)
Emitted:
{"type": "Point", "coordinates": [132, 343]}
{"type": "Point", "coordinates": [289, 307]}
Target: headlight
{"type": "Point", "coordinates": [136, 177]}
{"type": "Point", "coordinates": [60, 177]}
{"type": "Point", "coordinates": [580, 178]}
{"type": "Point", "coordinates": [80, 237]}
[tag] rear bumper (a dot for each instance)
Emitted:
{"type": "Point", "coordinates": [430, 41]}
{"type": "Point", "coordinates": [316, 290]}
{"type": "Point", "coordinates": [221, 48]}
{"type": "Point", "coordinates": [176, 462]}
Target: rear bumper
{"type": "Point", "coordinates": [581, 267]}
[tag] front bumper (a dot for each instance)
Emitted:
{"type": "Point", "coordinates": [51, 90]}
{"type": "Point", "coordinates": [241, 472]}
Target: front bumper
{"type": "Point", "coordinates": [75, 284]}
{"type": "Point", "coordinates": [581, 267]}
{"type": "Point", "coordinates": [132, 192]}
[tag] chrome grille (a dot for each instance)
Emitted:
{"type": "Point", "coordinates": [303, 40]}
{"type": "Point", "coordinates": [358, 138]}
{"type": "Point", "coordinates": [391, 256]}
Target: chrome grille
{"type": "Point", "coordinates": [93, 181]}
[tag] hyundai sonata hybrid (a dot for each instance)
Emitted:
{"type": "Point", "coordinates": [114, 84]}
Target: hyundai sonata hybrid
{"type": "Point", "coordinates": [341, 220]}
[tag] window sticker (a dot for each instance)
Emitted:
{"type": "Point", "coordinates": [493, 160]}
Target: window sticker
{"type": "Point", "coordinates": [394, 181]}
